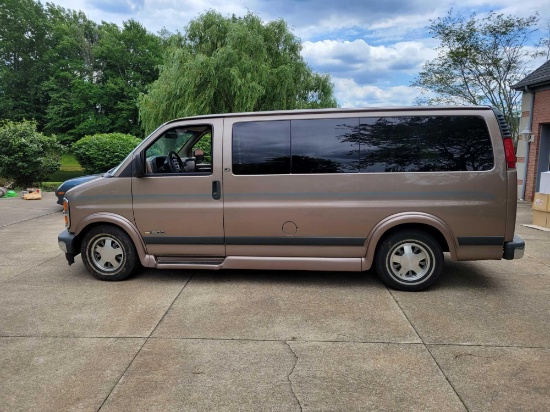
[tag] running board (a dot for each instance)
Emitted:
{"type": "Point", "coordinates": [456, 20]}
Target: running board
{"type": "Point", "coordinates": [188, 262]}
{"type": "Point", "coordinates": [255, 263]}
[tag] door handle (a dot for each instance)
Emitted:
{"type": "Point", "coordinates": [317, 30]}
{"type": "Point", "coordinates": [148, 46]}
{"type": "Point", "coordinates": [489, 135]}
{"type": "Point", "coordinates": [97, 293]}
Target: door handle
{"type": "Point", "coordinates": [216, 190]}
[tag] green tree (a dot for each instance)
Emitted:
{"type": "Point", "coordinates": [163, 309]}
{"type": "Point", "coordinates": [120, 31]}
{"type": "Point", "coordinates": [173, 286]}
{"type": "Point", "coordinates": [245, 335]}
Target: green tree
{"type": "Point", "coordinates": [128, 59]}
{"type": "Point", "coordinates": [478, 61]}
{"type": "Point", "coordinates": [98, 73]}
{"type": "Point", "coordinates": [72, 86]}
{"type": "Point", "coordinates": [27, 156]}
{"type": "Point", "coordinates": [24, 41]}
{"type": "Point", "coordinates": [235, 64]}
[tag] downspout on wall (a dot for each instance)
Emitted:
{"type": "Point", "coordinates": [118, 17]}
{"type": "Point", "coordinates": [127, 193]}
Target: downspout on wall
{"type": "Point", "coordinates": [528, 141]}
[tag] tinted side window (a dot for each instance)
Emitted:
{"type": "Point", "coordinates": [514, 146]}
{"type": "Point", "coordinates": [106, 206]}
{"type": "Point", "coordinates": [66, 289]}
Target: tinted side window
{"type": "Point", "coordinates": [325, 146]}
{"type": "Point", "coordinates": [261, 148]}
{"type": "Point", "coordinates": [367, 145]}
{"type": "Point", "coordinates": [424, 144]}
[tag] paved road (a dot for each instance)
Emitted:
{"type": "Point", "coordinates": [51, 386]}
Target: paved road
{"type": "Point", "coordinates": [266, 341]}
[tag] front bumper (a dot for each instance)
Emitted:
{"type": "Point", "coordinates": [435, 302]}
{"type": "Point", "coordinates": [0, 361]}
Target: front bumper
{"type": "Point", "coordinates": [60, 196]}
{"type": "Point", "coordinates": [67, 243]}
{"type": "Point", "coordinates": [514, 249]}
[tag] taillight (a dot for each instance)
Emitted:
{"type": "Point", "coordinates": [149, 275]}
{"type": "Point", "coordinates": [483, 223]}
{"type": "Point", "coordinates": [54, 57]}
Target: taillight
{"type": "Point", "coordinates": [509, 152]}
{"type": "Point", "coordinates": [66, 214]}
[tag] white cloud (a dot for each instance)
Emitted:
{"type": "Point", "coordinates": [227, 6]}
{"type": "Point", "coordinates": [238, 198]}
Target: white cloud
{"type": "Point", "coordinates": [176, 14]}
{"type": "Point", "coordinates": [351, 94]}
{"type": "Point", "coordinates": [311, 19]}
{"type": "Point", "coordinates": [367, 63]}
{"type": "Point", "coordinates": [372, 50]}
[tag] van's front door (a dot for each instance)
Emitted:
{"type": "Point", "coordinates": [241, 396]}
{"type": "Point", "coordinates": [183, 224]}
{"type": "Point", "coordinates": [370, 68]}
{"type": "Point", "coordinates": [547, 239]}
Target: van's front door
{"type": "Point", "coordinates": [177, 204]}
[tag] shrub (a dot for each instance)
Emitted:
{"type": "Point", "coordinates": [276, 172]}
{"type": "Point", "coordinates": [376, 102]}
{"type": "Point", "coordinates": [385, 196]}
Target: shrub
{"type": "Point", "coordinates": [101, 152]}
{"type": "Point", "coordinates": [27, 156]}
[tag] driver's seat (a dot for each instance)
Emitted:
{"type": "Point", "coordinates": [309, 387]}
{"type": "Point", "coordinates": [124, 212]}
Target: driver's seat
{"type": "Point", "coordinates": [198, 154]}
{"type": "Point", "coordinates": [200, 166]}
{"type": "Point", "coordinates": [190, 164]}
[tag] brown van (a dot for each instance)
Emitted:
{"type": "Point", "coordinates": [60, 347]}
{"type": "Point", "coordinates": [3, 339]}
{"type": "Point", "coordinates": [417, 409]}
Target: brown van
{"type": "Point", "coordinates": [338, 190]}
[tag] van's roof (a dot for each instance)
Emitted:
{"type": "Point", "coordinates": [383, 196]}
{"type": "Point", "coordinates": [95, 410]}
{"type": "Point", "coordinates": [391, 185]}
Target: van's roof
{"type": "Point", "coordinates": [321, 111]}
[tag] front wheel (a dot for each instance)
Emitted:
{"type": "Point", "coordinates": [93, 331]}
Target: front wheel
{"type": "Point", "coordinates": [410, 260]}
{"type": "Point", "coordinates": [108, 253]}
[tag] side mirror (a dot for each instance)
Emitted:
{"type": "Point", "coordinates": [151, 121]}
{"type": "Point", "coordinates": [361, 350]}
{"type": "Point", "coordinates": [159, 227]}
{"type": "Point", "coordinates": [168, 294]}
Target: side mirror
{"type": "Point", "coordinates": [138, 166]}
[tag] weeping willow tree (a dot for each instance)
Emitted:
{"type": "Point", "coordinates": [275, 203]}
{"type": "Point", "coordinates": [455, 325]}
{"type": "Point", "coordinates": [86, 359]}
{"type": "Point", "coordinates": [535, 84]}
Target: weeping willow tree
{"type": "Point", "coordinates": [235, 64]}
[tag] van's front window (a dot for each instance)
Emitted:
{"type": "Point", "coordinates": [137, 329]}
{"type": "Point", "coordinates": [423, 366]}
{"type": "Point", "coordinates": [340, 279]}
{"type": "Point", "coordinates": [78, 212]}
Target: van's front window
{"type": "Point", "coordinates": [181, 150]}
{"type": "Point", "coordinates": [171, 141]}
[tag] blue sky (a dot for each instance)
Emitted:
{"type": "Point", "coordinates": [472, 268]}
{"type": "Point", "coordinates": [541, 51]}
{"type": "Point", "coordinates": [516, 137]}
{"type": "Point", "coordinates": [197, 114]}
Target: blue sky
{"type": "Point", "coordinates": [371, 49]}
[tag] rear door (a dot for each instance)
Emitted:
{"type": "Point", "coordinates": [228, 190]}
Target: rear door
{"type": "Point", "coordinates": [311, 213]}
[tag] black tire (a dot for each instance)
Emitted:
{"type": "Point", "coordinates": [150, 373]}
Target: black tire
{"type": "Point", "coordinates": [423, 264]}
{"type": "Point", "coordinates": [118, 261]}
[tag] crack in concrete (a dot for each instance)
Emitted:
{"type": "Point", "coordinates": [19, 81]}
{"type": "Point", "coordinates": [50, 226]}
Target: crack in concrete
{"type": "Point", "coordinates": [28, 220]}
{"type": "Point", "coordinates": [538, 261]}
{"type": "Point", "coordinates": [144, 343]}
{"type": "Point", "coordinates": [460, 355]}
{"type": "Point", "coordinates": [290, 374]}
{"type": "Point", "coordinates": [428, 350]}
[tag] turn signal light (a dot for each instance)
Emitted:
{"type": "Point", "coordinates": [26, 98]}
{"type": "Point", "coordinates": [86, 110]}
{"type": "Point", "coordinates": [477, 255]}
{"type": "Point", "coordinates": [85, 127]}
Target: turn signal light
{"type": "Point", "coordinates": [66, 213]}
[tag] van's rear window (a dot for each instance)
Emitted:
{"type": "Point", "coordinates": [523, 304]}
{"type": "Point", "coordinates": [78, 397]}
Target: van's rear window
{"type": "Point", "coordinates": [362, 145]}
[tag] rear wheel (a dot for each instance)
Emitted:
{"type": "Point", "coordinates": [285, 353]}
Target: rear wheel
{"type": "Point", "coordinates": [108, 253]}
{"type": "Point", "coordinates": [409, 260]}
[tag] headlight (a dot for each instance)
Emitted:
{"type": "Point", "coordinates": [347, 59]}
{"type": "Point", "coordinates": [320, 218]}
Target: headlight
{"type": "Point", "coordinates": [66, 213]}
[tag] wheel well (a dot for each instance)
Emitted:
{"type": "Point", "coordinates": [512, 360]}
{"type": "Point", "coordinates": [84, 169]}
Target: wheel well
{"type": "Point", "coordinates": [80, 236]}
{"type": "Point", "coordinates": [430, 230]}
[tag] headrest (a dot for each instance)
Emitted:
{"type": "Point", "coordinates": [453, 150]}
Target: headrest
{"type": "Point", "coordinates": [198, 154]}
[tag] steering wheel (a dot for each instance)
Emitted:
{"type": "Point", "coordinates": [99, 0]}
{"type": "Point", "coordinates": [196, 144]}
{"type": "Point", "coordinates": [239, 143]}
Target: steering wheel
{"type": "Point", "coordinates": [174, 162]}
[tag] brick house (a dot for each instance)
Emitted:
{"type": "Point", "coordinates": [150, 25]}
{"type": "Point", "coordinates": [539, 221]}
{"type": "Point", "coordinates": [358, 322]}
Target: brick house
{"type": "Point", "coordinates": [533, 149]}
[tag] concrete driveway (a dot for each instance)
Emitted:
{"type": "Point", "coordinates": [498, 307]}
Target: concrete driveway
{"type": "Point", "coordinates": [266, 341]}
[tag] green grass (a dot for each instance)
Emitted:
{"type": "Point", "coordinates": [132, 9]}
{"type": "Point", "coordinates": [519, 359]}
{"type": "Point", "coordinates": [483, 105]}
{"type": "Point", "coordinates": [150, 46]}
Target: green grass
{"type": "Point", "coordinates": [69, 168]}
{"type": "Point", "coordinates": [62, 175]}
{"type": "Point", "coordinates": [69, 162]}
